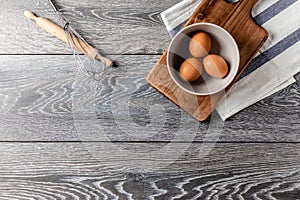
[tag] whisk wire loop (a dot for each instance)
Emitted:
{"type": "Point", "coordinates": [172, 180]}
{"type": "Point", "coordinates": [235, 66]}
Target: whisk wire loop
{"type": "Point", "coordinates": [76, 41]}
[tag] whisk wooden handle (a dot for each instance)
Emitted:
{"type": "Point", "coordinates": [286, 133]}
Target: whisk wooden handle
{"type": "Point", "coordinates": [59, 32]}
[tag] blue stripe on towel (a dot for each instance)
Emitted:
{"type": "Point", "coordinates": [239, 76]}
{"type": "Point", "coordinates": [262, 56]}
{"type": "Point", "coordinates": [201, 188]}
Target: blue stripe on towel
{"type": "Point", "coordinates": [174, 31]}
{"type": "Point", "coordinates": [273, 10]}
{"type": "Point", "coordinates": [272, 52]}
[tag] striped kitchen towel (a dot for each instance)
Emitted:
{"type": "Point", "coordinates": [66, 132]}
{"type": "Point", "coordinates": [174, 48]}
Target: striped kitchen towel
{"type": "Point", "coordinates": [273, 67]}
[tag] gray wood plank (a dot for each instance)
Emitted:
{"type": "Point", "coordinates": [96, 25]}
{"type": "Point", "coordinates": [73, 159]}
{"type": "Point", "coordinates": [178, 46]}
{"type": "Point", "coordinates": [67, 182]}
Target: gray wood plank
{"type": "Point", "coordinates": [118, 27]}
{"type": "Point", "coordinates": [44, 99]}
{"type": "Point", "coordinates": [229, 171]}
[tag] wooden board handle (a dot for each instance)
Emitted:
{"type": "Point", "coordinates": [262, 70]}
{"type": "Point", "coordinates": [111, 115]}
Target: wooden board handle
{"type": "Point", "coordinates": [60, 33]}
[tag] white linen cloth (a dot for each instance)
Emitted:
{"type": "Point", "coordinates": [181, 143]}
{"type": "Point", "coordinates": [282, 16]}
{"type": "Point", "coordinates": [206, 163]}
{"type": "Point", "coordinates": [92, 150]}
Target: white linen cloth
{"type": "Point", "coordinates": [276, 64]}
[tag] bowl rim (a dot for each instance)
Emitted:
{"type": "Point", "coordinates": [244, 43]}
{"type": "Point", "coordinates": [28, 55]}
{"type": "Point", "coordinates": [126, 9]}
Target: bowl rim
{"type": "Point", "coordinates": [234, 44]}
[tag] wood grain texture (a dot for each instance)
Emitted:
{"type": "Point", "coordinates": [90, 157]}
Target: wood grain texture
{"type": "Point", "coordinates": [119, 27]}
{"type": "Point", "coordinates": [38, 94]}
{"type": "Point", "coordinates": [237, 20]}
{"type": "Point", "coordinates": [230, 171]}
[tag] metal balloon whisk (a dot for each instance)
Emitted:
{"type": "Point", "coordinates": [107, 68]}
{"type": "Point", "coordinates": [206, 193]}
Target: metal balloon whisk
{"type": "Point", "coordinates": [69, 35]}
{"type": "Point", "coordinates": [78, 43]}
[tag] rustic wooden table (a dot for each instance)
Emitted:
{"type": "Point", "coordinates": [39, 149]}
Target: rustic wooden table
{"type": "Point", "coordinates": [63, 136]}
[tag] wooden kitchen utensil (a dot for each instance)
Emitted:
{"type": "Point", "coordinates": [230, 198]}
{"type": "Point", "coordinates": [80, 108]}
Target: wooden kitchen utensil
{"type": "Point", "coordinates": [78, 43]}
{"type": "Point", "coordinates": [236, 19]}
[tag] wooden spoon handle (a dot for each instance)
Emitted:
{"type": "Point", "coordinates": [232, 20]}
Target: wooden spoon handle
{"type": "Point", "coordinates": [60, 33]}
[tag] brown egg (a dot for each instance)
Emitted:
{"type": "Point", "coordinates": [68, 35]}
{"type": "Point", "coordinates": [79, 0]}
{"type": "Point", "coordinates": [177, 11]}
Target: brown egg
{"type": "Point", "coordinates": [191, 69]}
{"type": "Point", "coordinates": [215, 66]}
{"type": "Point", "coordinates": [200, 45]}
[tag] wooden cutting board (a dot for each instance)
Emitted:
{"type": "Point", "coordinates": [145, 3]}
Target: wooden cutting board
{"type": "Point", "coordinates": [236, 19]}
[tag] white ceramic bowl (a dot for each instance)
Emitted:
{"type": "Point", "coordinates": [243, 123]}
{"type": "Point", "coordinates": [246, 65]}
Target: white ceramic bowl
{"type": "Point", "coordinates": [223, 44]}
